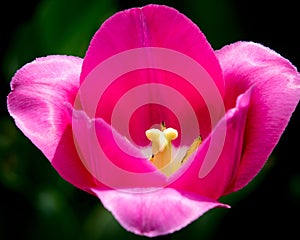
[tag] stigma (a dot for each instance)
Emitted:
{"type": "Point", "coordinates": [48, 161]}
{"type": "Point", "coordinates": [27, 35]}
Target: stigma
{"type": "Point", "coordinates": [162, 148]}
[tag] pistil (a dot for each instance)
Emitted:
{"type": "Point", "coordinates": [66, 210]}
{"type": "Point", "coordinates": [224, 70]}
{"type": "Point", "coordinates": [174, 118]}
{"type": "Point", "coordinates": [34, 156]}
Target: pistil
{"type": "Point", "coordinates": [162, 147]}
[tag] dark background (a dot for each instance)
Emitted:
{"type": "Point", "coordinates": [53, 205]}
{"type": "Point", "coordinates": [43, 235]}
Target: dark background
{"type": "Point", "coordinates": [37, 204]}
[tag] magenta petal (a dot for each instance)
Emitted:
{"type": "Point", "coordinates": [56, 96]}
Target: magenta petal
{"type": "Point", "coordinates": [151, 30]}
{"type": "Point", "coordinates": [111, 158]}
{"type": "Point", "coordinates": [156, 212]}
{"type": "Point", "coordinates": [151, 26]}
{"type": "Point", "coordinates": [214, 166]}
{"type": "Point", "coordinates": [275, 85]}
{"type": "Point", "coordinates": [39, 103]}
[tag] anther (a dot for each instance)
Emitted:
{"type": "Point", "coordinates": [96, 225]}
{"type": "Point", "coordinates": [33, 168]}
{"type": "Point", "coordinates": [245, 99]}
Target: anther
{"type": "Point", "coordinates": [192, 149]}
{"type": "Point", "coordinates": [163, 125]}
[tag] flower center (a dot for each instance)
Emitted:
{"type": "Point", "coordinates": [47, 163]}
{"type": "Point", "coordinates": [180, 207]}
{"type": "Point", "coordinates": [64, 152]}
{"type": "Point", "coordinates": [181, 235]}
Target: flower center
{"type": "Point", "coordinates": [162, 149]}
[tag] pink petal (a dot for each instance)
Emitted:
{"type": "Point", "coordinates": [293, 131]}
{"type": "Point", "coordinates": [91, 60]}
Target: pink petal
{"type": "Point", "coordinates": [213, 167]}
{"type": "Point", "coordinates": [151, 26]}
{"type": "Point", "coordinates": [141, 28]}
{"type": "Point", "coordinates": [110, 157]}
{"type": "Point", "coordinates": [41, 93]}
{"type": "Point", "coordinates": [132, 105]}
{"type": "Point", "coordinates": [276, 92]}
{"type": "Point", "coordinates": [156, 212]}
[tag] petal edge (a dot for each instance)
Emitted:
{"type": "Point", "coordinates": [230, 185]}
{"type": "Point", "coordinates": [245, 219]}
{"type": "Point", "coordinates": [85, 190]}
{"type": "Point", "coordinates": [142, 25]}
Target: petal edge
{"type": "Point", "coordinates": [155, 213]}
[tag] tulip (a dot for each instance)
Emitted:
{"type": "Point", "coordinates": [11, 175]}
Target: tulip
{"type": "Point", "coordinates": [153, 121]}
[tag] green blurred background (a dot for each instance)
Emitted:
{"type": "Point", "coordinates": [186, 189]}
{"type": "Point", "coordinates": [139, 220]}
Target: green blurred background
{"type": "Point", "coordinates": [37, 204]}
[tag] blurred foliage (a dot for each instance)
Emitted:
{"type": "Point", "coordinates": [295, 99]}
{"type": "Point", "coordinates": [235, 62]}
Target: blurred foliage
{"type": "Point", "coordinates": [36, 203]}
{"type": "Point", "coordinates": [57, 27]}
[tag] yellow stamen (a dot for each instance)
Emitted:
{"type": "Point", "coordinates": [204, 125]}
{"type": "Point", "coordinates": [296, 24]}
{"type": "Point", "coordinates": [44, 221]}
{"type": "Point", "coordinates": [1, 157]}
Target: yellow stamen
{"type": "Point", "coordinates": [162, 126]}
{"type": "Point", "coordinates": [192, 149]}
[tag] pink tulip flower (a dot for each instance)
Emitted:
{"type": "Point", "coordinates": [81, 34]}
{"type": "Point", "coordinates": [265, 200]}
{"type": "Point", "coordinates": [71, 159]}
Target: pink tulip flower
{"type": "Point", "coordinates": [152, 120]}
